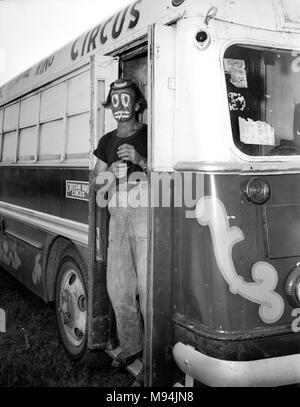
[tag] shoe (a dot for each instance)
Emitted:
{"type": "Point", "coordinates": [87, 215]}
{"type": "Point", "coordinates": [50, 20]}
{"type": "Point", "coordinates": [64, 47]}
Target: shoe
{"type": "Point", "coordinates": [121, 362]}
{"type": "Point", "coordinates": [139, 380]}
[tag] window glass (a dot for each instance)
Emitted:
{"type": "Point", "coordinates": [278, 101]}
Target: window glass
{"type": "Point", "coordinates": [78, 135]}
{"type": "Point", "coordinates": [263, 91]}
{"type": "Point", "coordinates": [11, 117]}
{"type": "Point", "coordinates": [53, 102]}
{"type": "Point", "coordinates": [79, 93]}
{"type": "Point", "coordinates": [29, 111]}
{"type": "Point", "coordinates": [9, 146]}
{"type": "Point", "coordinates": [27, 143]}
{"type": "Point", "coordinates": [1, 119]}
{"type": "Point", "coordinates": [51, 140]}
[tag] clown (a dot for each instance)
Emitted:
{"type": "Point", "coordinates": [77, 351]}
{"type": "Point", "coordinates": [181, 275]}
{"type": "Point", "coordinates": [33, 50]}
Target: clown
{"type": "Point", "coordinates": [124, 152]}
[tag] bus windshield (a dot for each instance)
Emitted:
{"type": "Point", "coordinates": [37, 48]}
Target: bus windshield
{"type": "Point", "coordinates": [263, 91]}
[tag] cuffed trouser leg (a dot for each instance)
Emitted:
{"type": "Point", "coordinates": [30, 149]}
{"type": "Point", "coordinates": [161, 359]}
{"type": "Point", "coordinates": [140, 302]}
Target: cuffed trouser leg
{"type": "Point", "coordinates": [138, 229]}
{"type": "Point", "coordinates": [122, 283]}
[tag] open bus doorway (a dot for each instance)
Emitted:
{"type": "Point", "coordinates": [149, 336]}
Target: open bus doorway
{"type": "Point", "coordinates": [152, 65]}
{"type": "Point", "coordinates": [132, 66]}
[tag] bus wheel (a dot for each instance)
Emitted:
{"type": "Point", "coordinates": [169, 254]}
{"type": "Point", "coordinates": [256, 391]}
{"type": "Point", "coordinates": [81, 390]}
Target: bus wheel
{"type": "Point", "coordinates": [71, 309]}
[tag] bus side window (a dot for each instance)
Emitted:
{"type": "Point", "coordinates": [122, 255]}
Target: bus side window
{"type": "Point", "coordinates": [9, 137]}
{"type": "Point", "coordinates": [28, 128]}
{"type": "Point", "coordinates": [244, 85]}
{"type": "Point", "coordinates": [1, 131]}
{"type": "Point", "coordinates": [78, 116]}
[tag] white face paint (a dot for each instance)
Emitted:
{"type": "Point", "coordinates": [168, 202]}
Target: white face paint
{"type": "Point", "coordinates": [115, 100]}
{"type": "Point", "coordinates": [122, 105]}
{"type": "Point", "coordinates": [125, 99]}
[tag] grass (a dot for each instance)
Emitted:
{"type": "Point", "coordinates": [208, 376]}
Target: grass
{"type": "Point", "coordinates": [30, 351]}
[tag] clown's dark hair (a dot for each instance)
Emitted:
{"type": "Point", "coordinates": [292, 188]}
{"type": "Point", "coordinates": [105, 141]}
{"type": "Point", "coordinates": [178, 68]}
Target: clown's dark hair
{"type": "Point", "coordinates": [122, 84]}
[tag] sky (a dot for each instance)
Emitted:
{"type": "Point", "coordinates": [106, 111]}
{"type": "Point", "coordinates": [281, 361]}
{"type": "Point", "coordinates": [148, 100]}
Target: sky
{"type": "Point", "coordinates": [32, 29]}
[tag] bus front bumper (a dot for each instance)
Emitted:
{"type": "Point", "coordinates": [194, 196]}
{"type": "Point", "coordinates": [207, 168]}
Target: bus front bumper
{"type": "Point", "coordinates": [269, 372]}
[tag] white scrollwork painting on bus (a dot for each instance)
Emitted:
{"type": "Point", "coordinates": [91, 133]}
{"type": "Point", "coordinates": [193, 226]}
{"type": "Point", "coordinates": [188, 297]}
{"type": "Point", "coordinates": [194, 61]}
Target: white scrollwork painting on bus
{"type": "Point", "coordinates": [37, 270]}
{"type": "Point", "coordinates": [211, 212]}
{"type": "Point", "coordinates": [9, 254]}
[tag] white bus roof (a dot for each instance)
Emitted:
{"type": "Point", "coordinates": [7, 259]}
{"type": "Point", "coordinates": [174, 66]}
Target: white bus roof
{"type": "Point", "coordinates": [132, 23]}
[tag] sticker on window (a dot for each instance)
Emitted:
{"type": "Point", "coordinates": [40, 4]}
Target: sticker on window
{"type": "Point", "coordinates": [236, 101]}
{"type": "Point", "coordinates": [252, 132]}
{"type": "Point", "coordinates": [291, 11]}
{"type": "Point", "coordinates": [236, 68]}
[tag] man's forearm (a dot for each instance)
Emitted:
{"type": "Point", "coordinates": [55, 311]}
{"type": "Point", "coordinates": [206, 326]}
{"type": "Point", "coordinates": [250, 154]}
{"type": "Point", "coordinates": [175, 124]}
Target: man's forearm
{"type": "Point", "coordinates": [142, 162]}
{"type": "Point", "coordinates": [100, 167]}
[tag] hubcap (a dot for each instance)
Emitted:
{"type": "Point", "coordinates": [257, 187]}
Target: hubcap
{"type": "Point", "coordinates": [73, 307]}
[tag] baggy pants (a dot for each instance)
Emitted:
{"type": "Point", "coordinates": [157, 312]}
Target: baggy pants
{"type": "Point", "coordinates": [127, 265]}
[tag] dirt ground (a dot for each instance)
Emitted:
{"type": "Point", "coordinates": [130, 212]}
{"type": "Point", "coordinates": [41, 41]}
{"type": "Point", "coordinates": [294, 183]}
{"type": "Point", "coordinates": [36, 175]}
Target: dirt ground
{"type": "Point", "coordinates": [30, 351]}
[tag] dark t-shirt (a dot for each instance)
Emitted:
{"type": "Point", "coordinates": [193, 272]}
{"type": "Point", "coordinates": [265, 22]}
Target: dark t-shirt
{"type": "Point", "coordinates": [108, 145]}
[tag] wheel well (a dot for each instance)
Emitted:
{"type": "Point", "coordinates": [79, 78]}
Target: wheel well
{"type": "Point", "coordinates": [56, 249]}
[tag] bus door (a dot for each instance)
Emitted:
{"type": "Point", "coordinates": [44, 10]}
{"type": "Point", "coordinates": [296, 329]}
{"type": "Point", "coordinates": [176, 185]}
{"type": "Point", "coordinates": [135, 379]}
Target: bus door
{"type": "Point", "coordinates": [161, 119]}
{"type": "Point", "coordinates": [101, 325]}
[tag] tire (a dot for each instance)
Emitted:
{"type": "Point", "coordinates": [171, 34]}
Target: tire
{"type": "Point", "coordinates": [71, 309]}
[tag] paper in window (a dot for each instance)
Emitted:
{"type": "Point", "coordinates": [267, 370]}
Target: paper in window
{"type": "Point", "coordinates": [236, 68]}
{"type": "Point", "coordinates": [256, 132]}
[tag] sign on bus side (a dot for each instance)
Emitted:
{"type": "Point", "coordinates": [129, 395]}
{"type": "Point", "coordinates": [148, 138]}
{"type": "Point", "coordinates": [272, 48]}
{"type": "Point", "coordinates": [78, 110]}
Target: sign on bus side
{"type": "Point", "coordinates": [77, 190]}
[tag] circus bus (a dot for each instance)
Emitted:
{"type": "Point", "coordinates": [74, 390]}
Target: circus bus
{"type": "Point", "coordinates": [223, 92]}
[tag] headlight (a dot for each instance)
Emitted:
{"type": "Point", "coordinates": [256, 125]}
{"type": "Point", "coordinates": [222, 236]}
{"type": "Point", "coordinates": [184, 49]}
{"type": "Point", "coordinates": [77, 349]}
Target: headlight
{"type": "Point", "coordinates": [257, 191]}
{"type": "Point", "coordinates": [292, 286]}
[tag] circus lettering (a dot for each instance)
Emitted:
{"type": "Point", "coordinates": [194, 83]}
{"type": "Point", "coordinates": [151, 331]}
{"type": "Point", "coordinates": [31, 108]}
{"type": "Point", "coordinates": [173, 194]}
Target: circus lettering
{"type": "Point", "coordinates": [112, 28]}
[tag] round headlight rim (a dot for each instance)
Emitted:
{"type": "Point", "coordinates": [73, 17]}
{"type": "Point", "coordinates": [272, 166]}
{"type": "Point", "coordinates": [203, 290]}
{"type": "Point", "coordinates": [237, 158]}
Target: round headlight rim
{"type": "Point", "coordinates": [249, 194]}
{"type": "Point", "coordinates": [291, 284]}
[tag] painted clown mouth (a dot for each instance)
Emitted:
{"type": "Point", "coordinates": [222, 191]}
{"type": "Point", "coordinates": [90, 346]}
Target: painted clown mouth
{"type": "Point", "coordinates": [119, 115]}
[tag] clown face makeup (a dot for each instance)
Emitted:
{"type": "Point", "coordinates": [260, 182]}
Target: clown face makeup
{"type": "Point", "coordinates": [123, 105]}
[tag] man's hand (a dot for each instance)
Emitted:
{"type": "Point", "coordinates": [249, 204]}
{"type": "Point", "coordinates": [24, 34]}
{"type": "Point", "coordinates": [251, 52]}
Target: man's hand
{"type": "Point", "coordinates": [128, 153]}
{"type": "Point", "coordinates": [119, 168]}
